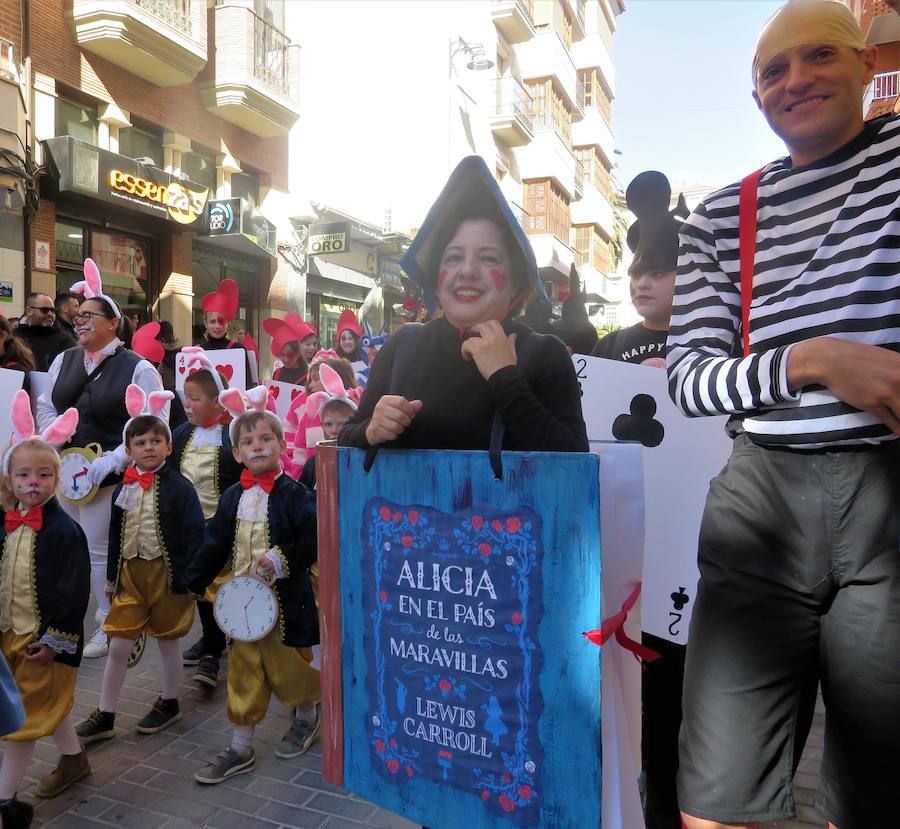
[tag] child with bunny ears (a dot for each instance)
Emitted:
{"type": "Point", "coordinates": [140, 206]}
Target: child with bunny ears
{"type": "Point", "coordinates": [44, 592]}
{"type": "Point", "coordinates": [266, 525]}
{"type": "Point", "coordinates": [202, 452]}
{"type": "Point", "coordinates": [333, 407]}
{"type": "Point", "coordinates": [156, 528]}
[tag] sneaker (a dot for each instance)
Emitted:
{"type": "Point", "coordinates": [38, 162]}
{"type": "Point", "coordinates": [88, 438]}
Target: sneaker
{"type": "Point", "coordinates": [192, 655]}
{"type": "Point", "coordinates": [97, 645]}
{"type": "Point", "coordinates": [208, 670]}
{"type": "Point", "coordinates": [300, 736]}
{"type": "Point", "coordinates": [16, 814]}
{"type": "Point", "coordinates": [70, 769]}
{"type": "Point", "coordinates": [165, 712]}
{"type": "Point", "coordinates": [100, 725]}
{"type": "Point", "coordinates": [227, 764]}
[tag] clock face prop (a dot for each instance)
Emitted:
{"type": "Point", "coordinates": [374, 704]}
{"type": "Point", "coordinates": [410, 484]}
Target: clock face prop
{"type": "Point", "coordinates": [246, 608]}
{"type": "Point", "coordinates": [74, 485]}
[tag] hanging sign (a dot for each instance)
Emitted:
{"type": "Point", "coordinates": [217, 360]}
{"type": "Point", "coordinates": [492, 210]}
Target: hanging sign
{"type": "Point", "coordinates": [330, 237]}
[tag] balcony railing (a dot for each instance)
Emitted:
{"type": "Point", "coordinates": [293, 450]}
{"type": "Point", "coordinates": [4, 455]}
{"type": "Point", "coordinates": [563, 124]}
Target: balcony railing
{"type": "Point", "coordinates": [270, 61]}
{"type": "Point", "coordinates": [886, 85]}
{"type": "Point", "coordinates": [579, 177]}
{"type": "Point", "coordinates": [512, 98]}
{"type": "Point", "coordinates": [579, 6]}
{"type": "Point", "coordinates": [177, 13]}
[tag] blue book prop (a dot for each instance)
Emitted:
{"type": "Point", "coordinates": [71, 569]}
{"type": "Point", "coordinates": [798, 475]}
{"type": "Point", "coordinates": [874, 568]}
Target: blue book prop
{"type": "Point", "coordinates": [468, 695]}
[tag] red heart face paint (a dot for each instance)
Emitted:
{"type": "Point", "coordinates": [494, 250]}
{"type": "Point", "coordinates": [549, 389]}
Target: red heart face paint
{"type": "Point", "coordinates": [442, 278]}
{"type": "Point", "coordinates": [501, 280]}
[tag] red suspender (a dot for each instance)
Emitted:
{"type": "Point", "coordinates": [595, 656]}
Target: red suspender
{"type": "Point", "coordinates": [747, 241]}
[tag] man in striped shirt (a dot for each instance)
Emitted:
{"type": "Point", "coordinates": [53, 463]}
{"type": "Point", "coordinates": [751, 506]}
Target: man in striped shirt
{"type": "Point", "coordinates": [798, 551]}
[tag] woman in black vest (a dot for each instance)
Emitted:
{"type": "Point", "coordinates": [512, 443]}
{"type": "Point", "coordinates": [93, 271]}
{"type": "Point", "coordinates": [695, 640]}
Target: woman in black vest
{"type": "Point", "coordinates": [93, 377]}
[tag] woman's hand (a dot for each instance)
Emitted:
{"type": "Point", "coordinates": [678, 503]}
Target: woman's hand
{"type": "Point", "coordinates": [391, 417]}
{"type": "Point", "coordinates": [492, 349]}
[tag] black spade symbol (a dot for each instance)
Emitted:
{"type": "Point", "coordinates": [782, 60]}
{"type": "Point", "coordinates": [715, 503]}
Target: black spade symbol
{"type": "Point", "coordinates": [640, 425]}
{"type": "Point", "coordinates": [680, 599]}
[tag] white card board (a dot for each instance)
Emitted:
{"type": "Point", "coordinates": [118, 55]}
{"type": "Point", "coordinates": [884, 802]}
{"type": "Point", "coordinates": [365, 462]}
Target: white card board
{"type": "Point", "coordinates": [284, 394]}
{"type": "Point", "coordinates": [10, 382]}
{"type": "Point", "coordinates": [232, 360]}
{"type": "Point", "coordinates": [677, 472]}
{"type": "Point", "coordinates": [254, 367]}
{"type": "Point", "coordinates": [40, 383]}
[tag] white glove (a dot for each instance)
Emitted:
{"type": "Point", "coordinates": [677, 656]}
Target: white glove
{"type": "Point", "coordinates": [101, 467]}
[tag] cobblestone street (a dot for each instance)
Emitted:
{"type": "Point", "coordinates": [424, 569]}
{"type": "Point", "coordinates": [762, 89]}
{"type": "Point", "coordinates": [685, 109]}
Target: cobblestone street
{"type": "Point", "coordinates": [146, 782]}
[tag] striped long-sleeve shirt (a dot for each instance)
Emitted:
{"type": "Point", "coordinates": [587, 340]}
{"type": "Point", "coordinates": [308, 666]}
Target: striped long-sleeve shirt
{"type": "Point", "coordinates": [827, 263]}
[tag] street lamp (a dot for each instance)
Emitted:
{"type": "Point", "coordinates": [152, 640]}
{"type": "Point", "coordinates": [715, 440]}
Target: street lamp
{"type": "Point", "coordinates": [478, 62]}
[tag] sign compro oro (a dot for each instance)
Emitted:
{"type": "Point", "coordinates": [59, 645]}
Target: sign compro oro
{"type": "Point", "coordinates": [332, 237]}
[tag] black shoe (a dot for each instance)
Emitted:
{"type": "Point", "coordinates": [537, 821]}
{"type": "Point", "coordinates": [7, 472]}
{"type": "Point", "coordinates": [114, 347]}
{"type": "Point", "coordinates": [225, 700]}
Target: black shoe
{"type": "Point", "coordinates": [16, 814]}
{"type": "Point", "coordinates": [192, 655]}
{"type": "Point", "coordinates": [164, 713]}
{"type": "Point", "coordinates": [100, 725]}
{"type": "Point", "coordinates": [208, 670]}
{"type": "Point", "coordinates": [227, 764]}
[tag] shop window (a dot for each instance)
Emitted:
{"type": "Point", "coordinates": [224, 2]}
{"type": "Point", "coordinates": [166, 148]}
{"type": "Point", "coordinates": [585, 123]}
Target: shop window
{"type": "Point", "coordinates": [138, 143]}
{"type": "Point", "coordinates": [209, 270]}
{"type": "Point", "coordinates": [69, 242]}
{"type": "Point", "coordinates": [246, 186]}
{"type": "Point", "coordinates": [124, 267]}
{"type": "Point", "coordinates": [77, 120]}
{"type": "Point", "coordinates": [199, 168]}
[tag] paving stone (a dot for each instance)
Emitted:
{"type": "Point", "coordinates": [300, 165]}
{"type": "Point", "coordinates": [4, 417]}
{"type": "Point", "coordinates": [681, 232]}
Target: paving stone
{"type": "Point", "coordinates": [341, 806]}
{"type": "Point", "coordinates": [226, 819]}
{"type": "Point", "coordinates": [124, 815]}
{"type": "Point", "coordinates": [293, 816]}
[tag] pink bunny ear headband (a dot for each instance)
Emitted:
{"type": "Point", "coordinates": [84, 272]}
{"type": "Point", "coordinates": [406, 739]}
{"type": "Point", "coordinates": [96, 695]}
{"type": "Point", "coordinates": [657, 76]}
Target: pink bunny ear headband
{"type": "Point", "coordinates": [138, 403]}
{"type": "Point", "coordinates": [92, 287]}
{"type": "Point", "coordinates": [334, 390]}
{"type": "Point", "coordinates": [56, 434]}
{"type": "Point", "coordinates": [238, 404]}
{"type": "Point", "coordinates": [196, 355]}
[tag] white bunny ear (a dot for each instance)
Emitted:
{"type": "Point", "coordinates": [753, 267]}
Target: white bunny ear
{"type": "Point", "coordinates": [157, 401]}
{"type": "Point", "coordinates": [92, 277]}
{"type": "Point", "coordinates": [233, 402]}
{"type": "Point", "coordinates": [315, 402]}
{"type": "Point", "coordinates": [258, 397]}
{"type": "Point", "coordinates": [22, 418]}
{"type": "Point", "coordinates": [135, 399]}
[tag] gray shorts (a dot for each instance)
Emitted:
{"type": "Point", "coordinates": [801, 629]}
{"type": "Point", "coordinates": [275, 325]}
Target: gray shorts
{"type": "Point", "coordinates": [800, 584]}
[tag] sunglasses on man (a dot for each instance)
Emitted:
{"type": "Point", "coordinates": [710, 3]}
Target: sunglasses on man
{"type": "Point", "coordinates": [43, 309]}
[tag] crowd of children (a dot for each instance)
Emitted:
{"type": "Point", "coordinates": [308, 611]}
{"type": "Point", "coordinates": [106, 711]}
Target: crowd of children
{"type": "Point", "coordinates": [214, 500]}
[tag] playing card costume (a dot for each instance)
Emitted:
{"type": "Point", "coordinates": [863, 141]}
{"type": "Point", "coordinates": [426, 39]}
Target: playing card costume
{"type": "Point", "coordinates": [798, 550]}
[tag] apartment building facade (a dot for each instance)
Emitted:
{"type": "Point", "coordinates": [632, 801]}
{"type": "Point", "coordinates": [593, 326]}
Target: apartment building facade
{"type": "Point", "coordinates": [550, 115]}
{"type": "Point", "coordinates": [881, 26]}
{"type": "Point", "coordinates": [161, 130]}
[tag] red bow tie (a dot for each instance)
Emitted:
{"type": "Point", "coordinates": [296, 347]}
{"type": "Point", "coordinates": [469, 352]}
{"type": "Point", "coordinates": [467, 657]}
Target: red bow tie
{"type": "Point", "coordinates": [145, 479]}
{"type": "Point", "coordinates": [34, 518]}
{"type": "Point", "coordinates": [265, 481]}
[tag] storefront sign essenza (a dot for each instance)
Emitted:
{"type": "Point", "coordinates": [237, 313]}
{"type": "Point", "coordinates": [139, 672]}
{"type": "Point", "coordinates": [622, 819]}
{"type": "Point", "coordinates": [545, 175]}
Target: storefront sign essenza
{"type": "Point", "coordinates": [184, 205]}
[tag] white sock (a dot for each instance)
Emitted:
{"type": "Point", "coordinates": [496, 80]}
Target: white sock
{"type": "Point", "coordinates": [16, 757]}
{"type": "Point", "coordinates": [98, 585]}
{"type": "Point", "coordinates": [65, 737]}
{"type": "Point", "coordinates": [170, 653]}
{"type": "Point", "coordinates": [114, 673]}
{"type": "Point", "coordinates": [306, 717]}
{"type": "Point", "coordinates": [242, 739]}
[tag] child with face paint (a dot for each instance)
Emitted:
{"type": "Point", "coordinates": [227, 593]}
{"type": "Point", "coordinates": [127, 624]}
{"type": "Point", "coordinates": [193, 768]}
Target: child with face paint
{"type": "Point", "coordinates": [44, 591]}
{"type": "Point", "coordinates": [264, 525]}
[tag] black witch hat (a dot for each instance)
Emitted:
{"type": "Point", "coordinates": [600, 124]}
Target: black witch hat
{"type": "Point", "coordinates": [653, 238]}
{"type": "Point", "coordinates": [574, 327]}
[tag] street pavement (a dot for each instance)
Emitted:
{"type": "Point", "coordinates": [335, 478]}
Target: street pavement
{"type": "Point", "coordinates": [146, 782]}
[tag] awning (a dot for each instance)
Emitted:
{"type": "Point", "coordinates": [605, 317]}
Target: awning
{"type": "Point", "coordinates": [337, 281]}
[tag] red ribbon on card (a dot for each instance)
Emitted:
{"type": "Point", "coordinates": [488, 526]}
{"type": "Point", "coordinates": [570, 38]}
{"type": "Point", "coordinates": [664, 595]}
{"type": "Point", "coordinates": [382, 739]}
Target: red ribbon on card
{"type": "Point", "coordinates": [615, 626]}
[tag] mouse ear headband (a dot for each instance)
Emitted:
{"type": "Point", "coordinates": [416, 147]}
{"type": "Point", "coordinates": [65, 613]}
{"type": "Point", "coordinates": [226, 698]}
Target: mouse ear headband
{"type": "Point", "coordinates": [56, 434]}
{"type": "Point", "coordinates": [91, 287]}
{"type": "Point", "coordinates": [139, 403]}
{"type": "Point", "coordinates": [334, 390]}
{"type": "Point", "coordinates": [196, 359]}
{"type": "Point", "coordinates": [239, 404]}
